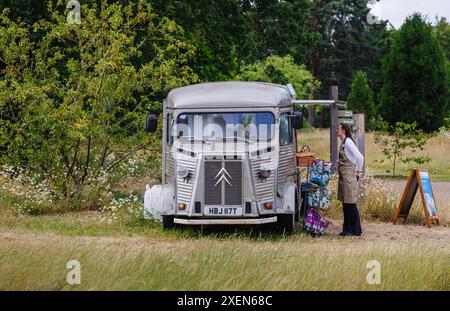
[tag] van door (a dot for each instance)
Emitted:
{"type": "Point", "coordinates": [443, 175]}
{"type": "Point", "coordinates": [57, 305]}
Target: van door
{"type": "Point", "coordinates": [286, 166]}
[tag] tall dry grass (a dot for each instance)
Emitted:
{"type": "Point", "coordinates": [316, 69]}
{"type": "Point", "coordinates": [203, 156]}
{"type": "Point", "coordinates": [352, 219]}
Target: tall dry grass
{"type": "Point", "coordinates": [437, 149]}
{"type": "Point", "coordinates": [298, 263]}
{"type": "Point", "coordinates": [381, 195]}
{"type": "Point", "coordinates": [378, 202]}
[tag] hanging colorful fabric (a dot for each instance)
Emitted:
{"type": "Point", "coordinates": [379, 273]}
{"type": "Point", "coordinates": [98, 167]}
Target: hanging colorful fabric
{"type": "Point", "coordinates": [320, 198]}
{"type": "Point", "coordinates": [314, 223]}
{"type": "Point", "coordinates": [320, 172]}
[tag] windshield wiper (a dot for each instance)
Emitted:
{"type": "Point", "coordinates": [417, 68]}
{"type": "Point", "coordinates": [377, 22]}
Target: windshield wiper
{"type": "Point", "coordinates": [237, 137]}
{"type": "Point", "coordinates": [192, 138]}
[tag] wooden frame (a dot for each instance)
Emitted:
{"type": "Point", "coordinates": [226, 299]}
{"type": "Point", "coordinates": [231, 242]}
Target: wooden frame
{"type": "Point", "coordinates": [334, 104]}
{"type": "Point", "coordinates": [403, 210]}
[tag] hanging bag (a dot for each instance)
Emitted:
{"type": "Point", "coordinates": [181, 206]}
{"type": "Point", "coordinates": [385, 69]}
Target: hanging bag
{"type": "Point", "coordinates": [314, 223]}
{"type": "Point", "coordinates": [320, 172]}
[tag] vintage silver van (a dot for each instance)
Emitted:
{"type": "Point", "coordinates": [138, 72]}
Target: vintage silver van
{"type": "Point", "coordinates": [228, 156]}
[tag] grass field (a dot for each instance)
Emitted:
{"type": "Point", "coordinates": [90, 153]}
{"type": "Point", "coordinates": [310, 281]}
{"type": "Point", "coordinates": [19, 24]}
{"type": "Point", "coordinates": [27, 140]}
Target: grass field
{"type": "Point", "coordinates": [129, 254]}
{"type": "Point", "coordinates": [140, 256]}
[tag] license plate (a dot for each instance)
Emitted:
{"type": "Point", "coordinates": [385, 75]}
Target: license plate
{"type": "Point", "coordinates": [223, 211]}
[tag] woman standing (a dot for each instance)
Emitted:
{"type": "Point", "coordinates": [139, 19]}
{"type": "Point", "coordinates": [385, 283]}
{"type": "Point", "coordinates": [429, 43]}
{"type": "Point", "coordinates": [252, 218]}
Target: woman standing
{"type": "Point", "coordinates": [349, 168]}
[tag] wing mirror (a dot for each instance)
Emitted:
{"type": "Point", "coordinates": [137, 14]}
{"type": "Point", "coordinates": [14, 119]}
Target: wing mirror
{"type": "Point", "coordinates": [297, 120]}
{"type": "Point", "coordinates": [151, 123]}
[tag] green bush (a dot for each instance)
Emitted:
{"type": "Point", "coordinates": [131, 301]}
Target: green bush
{"type": "Point", "coordinates": [281, 70]}
{"type": "Point", "coordinates": [73, 97]}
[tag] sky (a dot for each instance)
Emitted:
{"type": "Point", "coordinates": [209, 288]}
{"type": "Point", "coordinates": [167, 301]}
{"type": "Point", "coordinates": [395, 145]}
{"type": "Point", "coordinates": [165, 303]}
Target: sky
{"type": "Point", "coordinates": [397, 10]}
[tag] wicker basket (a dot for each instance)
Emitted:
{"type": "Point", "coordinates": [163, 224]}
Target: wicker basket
{"type": "Point", "coordinates": [305, 157]}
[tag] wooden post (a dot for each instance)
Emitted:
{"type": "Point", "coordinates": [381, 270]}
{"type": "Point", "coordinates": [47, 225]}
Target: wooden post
{"type": "Point", "coordinates": [334, 153]}
{"type": "Point", "coordinates": [359, 130]}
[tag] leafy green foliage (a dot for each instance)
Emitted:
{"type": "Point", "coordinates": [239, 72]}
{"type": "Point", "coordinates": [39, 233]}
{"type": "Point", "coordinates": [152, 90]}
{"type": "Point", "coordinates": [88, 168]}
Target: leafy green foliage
{"type": "Point", "coordinates": [332, 38]}
{"type": "Point", "coordinates": [220, 31]}
{"type": "Point", "coordinates": [445, 129]}
{"type": "Point", "coordinates": [415, 86]}
{"type": "Point", "coordinates": [346, 43]}
{"type": "Point", "coordinates": [282, 28]}
{"type": "Point", "coordinates": [442, 32]}
{"type": "Point", "coordinates": [394, 141]}
{"type": "Point", "coordinates": [72, 102]}
{"type": "Point", "coordinates": [360, 99]}
{"type": "Point", "coordinates": [281, 70]}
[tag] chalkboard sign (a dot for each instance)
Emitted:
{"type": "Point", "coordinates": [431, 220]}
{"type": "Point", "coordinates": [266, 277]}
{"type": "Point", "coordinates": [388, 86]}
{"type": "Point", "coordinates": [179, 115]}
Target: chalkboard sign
{"type": "Point", "coordinates": [418, 180]}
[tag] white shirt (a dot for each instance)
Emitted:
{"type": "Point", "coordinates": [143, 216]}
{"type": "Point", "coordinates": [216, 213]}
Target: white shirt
{"type": "Point", "coordinates": [353, 154]}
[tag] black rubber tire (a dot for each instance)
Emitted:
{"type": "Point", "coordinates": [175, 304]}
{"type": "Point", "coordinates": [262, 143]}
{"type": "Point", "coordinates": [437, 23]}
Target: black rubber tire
{"type": "Point", "coordinates": [286, 223]}
{"type": "Point", "coordinates": [297, 207]}
{"type": "Point", "coordinates": [168, 222]}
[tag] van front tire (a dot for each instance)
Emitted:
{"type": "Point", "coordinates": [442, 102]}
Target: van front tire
{"type": "Point", "coordinates": [286, 223]}
{"type": "Point", "coordinates": [168, 222]}
{"type": "Point", "coordinates": [297, 207]}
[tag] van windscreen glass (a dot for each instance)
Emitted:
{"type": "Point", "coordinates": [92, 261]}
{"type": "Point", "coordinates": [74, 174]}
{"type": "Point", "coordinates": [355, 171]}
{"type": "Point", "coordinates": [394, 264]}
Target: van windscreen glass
{"type": "Point", "coordinates": [248, 126]}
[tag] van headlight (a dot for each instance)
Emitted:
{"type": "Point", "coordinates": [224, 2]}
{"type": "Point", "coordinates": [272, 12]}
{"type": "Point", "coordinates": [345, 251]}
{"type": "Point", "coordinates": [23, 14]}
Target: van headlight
{"type": "Point", "coordinates": [182, 172]}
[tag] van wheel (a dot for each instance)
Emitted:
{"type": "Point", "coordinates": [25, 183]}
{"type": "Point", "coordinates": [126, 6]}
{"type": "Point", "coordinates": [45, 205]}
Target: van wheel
{"type": "Point", "coordinates": [286, 223]}
{"type": "Point", "coordinates": [297, 207]}
{"type": "Point", "coordinates": [167, 221]}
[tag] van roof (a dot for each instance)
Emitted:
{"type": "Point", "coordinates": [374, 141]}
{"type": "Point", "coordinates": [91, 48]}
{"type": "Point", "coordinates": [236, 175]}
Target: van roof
{"type": "Point", "coordinates": [229, 95]}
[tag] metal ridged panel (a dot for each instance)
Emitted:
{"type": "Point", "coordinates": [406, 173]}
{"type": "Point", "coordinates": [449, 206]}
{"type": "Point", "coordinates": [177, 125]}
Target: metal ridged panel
{"type": "Point", "coordinates": [233, 193]}
{"type": "Point", "coordinates": [184, 186]}
{"type": "Point", "coordinates": [287, 164]}
{"type": "Point", "coordinates": [170, 166]}
{"type": "Point", "coordinates": [213, 195]}
{"type": "Point", "coordinates": [264, 187]}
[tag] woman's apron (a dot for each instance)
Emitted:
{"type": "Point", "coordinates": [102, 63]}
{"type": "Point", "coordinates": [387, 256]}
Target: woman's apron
{"type": "Point", "coordinates": [347, 185]}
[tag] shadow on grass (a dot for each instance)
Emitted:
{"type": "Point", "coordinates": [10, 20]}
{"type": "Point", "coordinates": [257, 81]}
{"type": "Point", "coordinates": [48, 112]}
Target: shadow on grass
{"type": "Point", "coordinates": [266, 232]}
{"type": "Point", "coordinates": [89, 224]}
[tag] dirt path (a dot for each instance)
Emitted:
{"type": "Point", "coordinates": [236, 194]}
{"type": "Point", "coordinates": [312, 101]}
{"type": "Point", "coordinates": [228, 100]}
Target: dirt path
{"type": "Point", "coordinates": [387, 232]}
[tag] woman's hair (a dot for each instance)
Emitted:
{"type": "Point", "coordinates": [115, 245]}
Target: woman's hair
{"type": "Point", "coordinates": [347, 130]}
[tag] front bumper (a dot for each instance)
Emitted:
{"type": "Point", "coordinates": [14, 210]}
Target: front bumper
{"type": "Point", "coordinates": [215, 221]}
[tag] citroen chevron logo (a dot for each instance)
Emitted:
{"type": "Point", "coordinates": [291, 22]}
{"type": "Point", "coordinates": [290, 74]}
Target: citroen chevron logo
{"type": "Point", "coordinates": [222, 176]}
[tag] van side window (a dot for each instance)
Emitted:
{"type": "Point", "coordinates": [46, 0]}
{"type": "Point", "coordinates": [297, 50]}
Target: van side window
{"type": "Point", "coordinates": [169, 129]}
{"type": "Point", "coordinates": [285, 129]}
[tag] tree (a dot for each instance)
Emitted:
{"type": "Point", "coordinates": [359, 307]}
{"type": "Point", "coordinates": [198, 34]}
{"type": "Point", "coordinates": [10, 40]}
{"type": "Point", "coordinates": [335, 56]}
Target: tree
{"type": "Point", "coordinates": [414, 71]}
{"type": "Point", "coordinates": [442, 32]}
{"type": "Point", "coordinates": [345, 42]}
{"type": "Point", "coordinates": [281, 70]}
{"type": "Point", "coordinates": [28, 11]}
{"type": "Point", "coordinates": [72, 103]}
{"type": "Point", "coordinates": [282, 28]}
{"type": "Point", "coordinates": [360, 99]}
{"type": "Point", "coordinates": [394, 141]}
{"type": "Point", "coordinates": [221, 31]}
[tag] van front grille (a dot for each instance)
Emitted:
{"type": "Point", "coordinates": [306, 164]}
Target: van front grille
{"type": "Point", "coordinates": [213, 194]}
{"type": "Point", "coordinates": [233, 192]}
{"type": "Point", "coordinates": [223, 183]}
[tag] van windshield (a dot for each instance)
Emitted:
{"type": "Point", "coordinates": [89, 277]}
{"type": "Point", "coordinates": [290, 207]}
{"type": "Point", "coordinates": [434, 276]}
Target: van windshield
{"type": "Point", "coordinates": [247, 126]}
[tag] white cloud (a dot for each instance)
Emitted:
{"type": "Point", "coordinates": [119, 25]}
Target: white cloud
{"type": "Point", "coordinates": [396, 11]}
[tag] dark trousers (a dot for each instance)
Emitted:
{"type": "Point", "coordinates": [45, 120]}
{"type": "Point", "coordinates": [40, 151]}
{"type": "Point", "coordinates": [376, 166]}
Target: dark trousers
{"type": "Point", "coordinates": [352, 223]}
